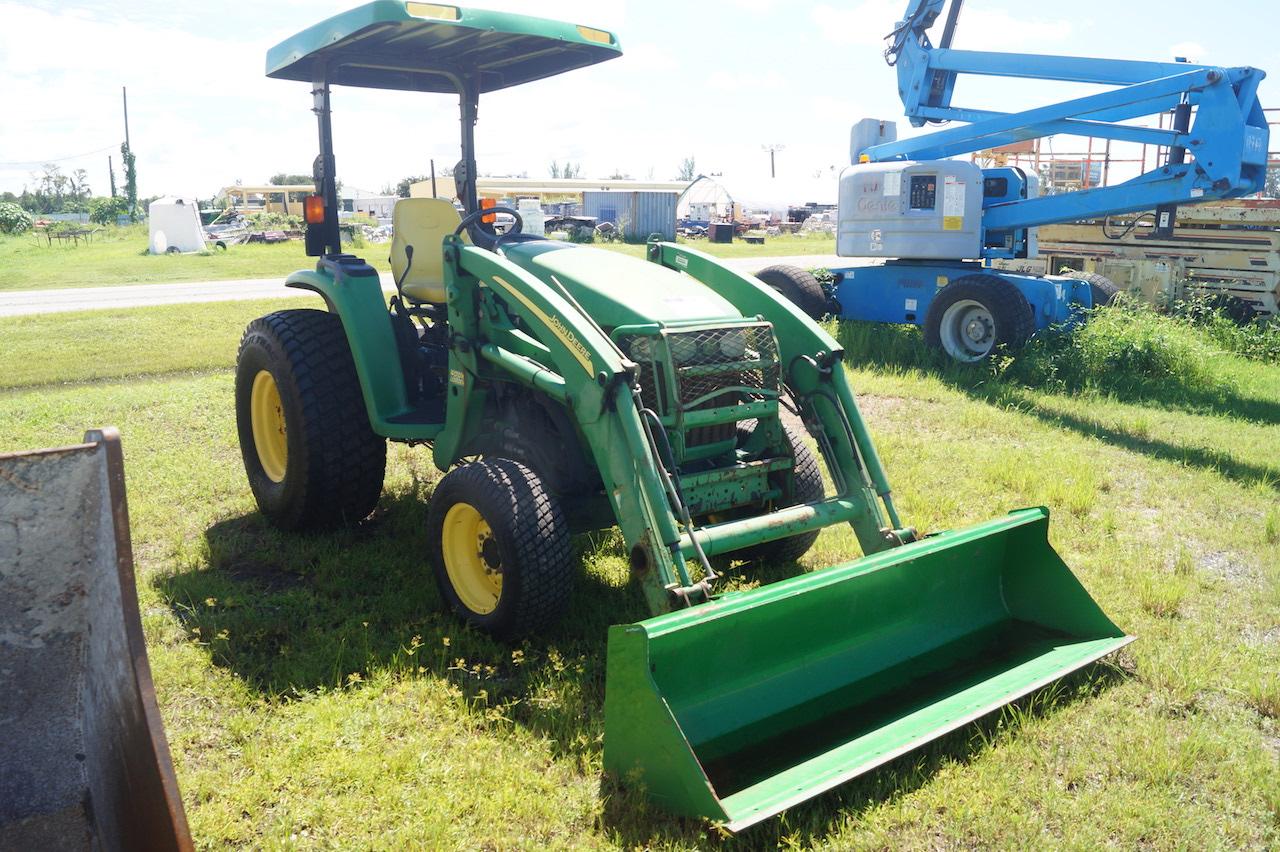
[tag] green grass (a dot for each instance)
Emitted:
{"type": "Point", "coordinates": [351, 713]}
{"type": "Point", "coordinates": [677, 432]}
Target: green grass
{"type": "Point", "coordinates": [119, 256]}
{"type": "Point", "coordinates": [120, 343]}
{"type": "Point", "coordinates": [314, 694]}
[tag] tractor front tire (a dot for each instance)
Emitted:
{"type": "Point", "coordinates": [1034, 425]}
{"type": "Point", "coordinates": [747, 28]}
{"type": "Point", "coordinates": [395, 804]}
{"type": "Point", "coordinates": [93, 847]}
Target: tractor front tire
{"type": "Point", "coordinates": [807, 488]}
{"type": "Point", "coordinates": [976, 316]}
{"type": "Point", "coordinates": [501, 548]}
{"type": "Point", "coordinates": [798, 286]}
{"type": "Point", "coordinates": [312, 459]}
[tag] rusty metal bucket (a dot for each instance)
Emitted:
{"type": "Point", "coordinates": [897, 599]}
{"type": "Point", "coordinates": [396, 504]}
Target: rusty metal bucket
{"type": "Point", "coordinates": [84, 763]}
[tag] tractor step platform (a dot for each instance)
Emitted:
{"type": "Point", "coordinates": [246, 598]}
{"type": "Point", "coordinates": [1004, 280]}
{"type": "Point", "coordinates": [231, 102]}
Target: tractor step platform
{"type": "Point", "coordinates": [430, 414]}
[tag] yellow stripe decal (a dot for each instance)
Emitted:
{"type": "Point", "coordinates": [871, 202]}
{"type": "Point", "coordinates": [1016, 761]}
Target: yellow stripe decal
{"type": "Point", "coordinates": [558, 328]}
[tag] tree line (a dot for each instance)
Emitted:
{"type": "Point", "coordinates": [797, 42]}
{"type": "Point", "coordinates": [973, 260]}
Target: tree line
{"type": "Point", "coordinates": [55, 191]}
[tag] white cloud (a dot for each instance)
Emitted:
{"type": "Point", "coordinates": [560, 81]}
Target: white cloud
{"type": "Point", "coordinates": [1192, 51]}
{"type": "Point", "coordinates": [867, 23]}
{"type": "Point", "coordinates": [754, 6]}
{"type": "Point", "coordinates": [647, 57]}
{"type": "Point", "coordinates": [745, 81]}
{"type": "Point", "coordinates": [53, 72]}
{"type": "Point", "coordinates": [202, 115]}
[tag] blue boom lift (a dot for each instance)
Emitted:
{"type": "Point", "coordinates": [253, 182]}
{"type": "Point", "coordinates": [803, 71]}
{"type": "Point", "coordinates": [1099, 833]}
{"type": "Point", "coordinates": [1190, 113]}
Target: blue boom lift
{"type": "Point", "coordinates": [935, 221]}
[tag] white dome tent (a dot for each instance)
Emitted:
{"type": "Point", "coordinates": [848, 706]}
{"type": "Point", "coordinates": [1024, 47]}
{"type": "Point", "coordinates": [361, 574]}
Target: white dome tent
{"type": "Point", "coordinates": [729, 196]}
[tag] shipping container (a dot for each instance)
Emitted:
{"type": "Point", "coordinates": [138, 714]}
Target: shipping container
{"type": "Point", "coordinates": [638, 214]}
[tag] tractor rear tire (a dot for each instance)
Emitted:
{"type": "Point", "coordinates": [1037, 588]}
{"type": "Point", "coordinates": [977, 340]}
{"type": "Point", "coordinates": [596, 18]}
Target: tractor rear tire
{"type": "Point", "coordinates": [809, 488]}
{"type": "Point", "coordinates": [798, 286]}
{"type": "Point", "coordinates": [1102, 288]}
{"type": "Point", "coordinates": [500, 548]}
{"type": "Point", "coordinates": [312, 459]}
{"type": "Point", "coordinates": [976, 316]}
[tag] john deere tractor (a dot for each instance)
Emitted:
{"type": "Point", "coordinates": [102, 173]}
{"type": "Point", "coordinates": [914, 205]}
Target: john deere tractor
{"type": "Point", "coordinates": [563, 388]}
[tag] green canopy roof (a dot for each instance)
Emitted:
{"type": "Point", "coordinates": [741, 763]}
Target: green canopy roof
{"type": "Point", "coordinates": [423, 47]}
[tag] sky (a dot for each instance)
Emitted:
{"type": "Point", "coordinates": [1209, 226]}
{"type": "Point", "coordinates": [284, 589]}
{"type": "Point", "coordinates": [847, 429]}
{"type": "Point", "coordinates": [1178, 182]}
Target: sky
{"type": "Point", "coordinates": [714, 79]}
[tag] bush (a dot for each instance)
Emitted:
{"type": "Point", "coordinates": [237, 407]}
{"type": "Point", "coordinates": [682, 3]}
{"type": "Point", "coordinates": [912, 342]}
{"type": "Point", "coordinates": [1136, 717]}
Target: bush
{"type": "Point", "coordinates": [1258, 340]}
{"type": "Point", "coordinates": [1126, 349]}
{"type": "Point", "coordinates": [274, 222]}
{"type": "Point", "coordinates": [13, 219]}
{"type": "Point", "coordinates": [107, 211]}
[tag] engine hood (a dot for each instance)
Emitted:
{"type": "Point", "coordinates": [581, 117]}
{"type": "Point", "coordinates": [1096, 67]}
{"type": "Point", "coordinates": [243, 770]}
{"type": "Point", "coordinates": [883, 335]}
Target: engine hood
{"type": "Point", "coordinates": [619, 290]}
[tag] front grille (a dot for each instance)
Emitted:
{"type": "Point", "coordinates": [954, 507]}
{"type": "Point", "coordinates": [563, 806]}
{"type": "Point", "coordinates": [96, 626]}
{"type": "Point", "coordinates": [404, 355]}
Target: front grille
{"type": "Point", "coordinates": [714, 368]}
{"type": "Point", "coordinates": [742, 358]}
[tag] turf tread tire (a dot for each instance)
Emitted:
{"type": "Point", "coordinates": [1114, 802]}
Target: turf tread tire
{"type": "Point", "coordinates": [798, 286]}
{"type": "Point", "coordinates": [1014, 320]}
{"type": "Point", "coordinates": [809, 488]}
{"type": "Point", "coordinates": [336, 463]}
{"type": "Point", "coordinates": [532, 535]}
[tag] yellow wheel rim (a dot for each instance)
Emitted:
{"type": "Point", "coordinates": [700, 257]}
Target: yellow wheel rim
{"type": "Point", "coordinates": [471, 558]}
{"type": "Point", "coordinates": [266, 413]}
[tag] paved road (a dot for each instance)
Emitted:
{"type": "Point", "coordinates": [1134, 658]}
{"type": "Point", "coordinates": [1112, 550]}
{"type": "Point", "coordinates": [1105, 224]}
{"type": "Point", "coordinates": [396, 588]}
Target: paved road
{"type": "Point", "coordinates": [21, 302]}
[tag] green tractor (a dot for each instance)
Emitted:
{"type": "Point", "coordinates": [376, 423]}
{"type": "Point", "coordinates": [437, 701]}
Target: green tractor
{"type": "Point", "coordinates": [564, 388]}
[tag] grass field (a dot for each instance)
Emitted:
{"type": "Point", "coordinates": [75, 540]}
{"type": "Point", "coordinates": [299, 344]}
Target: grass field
{"type": "Point", "coordinates": [315, 695]}
{"type": "Point", "coordinates": [119, 256]}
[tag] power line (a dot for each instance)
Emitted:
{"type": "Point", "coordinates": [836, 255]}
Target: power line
{"type": "Point", "coordinates": [44, 160]}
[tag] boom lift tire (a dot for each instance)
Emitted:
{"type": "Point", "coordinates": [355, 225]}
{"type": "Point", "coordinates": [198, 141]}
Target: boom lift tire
{"type": "Point", "coordinates": [1102, 288]}
{"type": "Point", "coordinates": [809, 488]}
{"type": "Point", "coordinates": [1238, 310]}
{"type": "Point", "coordinates": [798, 286]}
{"type": "Point", "coordinates": [500, 548]}
{"type": "Point", "coordinates": [312, 459]}
{"type": "Point", "coordinates": [977, 315]}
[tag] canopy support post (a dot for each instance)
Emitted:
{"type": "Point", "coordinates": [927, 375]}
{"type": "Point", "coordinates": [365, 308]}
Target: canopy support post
{"type": "Point", "coordinates": [324, 170]}
{"type": "Point", "coordinates": [469, 101]}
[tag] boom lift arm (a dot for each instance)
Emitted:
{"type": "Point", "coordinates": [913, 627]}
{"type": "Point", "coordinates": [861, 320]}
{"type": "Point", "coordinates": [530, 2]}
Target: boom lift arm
{"type": "Point", "coordinates": [1228, 141]}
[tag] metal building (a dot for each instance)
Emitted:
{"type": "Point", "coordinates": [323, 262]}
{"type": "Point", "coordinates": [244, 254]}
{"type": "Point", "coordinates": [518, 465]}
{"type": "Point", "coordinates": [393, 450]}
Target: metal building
{"type": "Point", "coordinates": [639, 214]}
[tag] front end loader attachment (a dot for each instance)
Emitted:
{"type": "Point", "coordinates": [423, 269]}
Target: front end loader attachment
{"type": "Point", "coordinates": [744, 706]}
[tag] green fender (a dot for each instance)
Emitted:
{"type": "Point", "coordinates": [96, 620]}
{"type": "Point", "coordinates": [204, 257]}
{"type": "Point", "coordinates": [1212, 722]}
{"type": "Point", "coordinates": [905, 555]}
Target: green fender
{"type": "Point", "coordinates": [360, 304]}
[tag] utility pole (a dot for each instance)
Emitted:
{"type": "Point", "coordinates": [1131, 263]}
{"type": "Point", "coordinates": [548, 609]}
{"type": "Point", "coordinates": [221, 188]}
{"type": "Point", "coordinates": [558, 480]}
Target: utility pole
{"type": "Point", "coordinates": [130, 175]}
{"type": "Point", "coordinates": [111, 172]}
{"type": "Point", "coordinates": [773, 149]}
{"type": "Point", "coordinates": [124, 91]}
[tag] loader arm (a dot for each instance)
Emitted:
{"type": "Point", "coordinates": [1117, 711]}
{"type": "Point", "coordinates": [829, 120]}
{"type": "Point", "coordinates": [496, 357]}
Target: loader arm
{"type": "Point", "coordinates": [495, 301]}
{"type": "Point", "coordinates": [813, 370]}
{"type": "Point", "coordinates": [529, 332]}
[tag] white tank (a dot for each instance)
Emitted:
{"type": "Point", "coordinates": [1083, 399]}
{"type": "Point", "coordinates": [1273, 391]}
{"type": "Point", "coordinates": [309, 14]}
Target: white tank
{"type": "Point", "coordinates": [534, 219]}
{"type": "Point", "coordinates": [175, 225]}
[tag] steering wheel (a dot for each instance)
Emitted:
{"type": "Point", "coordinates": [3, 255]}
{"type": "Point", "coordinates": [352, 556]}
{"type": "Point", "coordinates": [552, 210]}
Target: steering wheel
{"type": "Point", "coordinates": [471, 218]}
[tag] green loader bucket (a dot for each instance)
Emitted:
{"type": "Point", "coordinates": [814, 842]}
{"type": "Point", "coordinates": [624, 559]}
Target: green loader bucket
{"type": "Point", "coordinates": [740, 708]}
